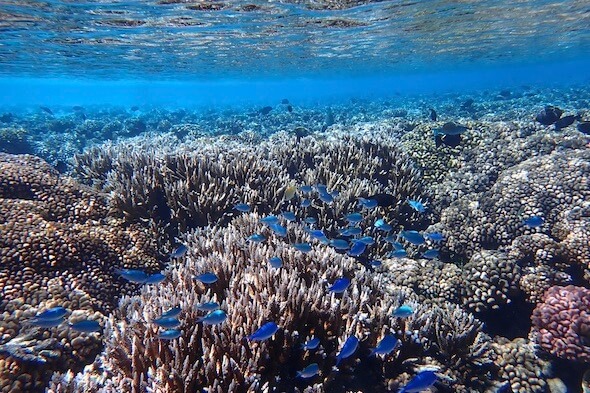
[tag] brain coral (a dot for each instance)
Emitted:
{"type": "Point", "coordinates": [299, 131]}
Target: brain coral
{"type": "Point", "coordinates": [58, 247]}
{"type": "Point", "coordinates": [562, 322]}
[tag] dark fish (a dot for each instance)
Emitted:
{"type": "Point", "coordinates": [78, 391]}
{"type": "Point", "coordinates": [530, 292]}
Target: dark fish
{"type": "Point", "coordinates": [433, 115]}
{"type": "Point", "coordinates": [6, 117]}
{"type": "Point", "coordinates": [134, 108]}
{"type": "Point", "coordinates": [450, 128]}
{"type": "Point", "coordinates": [564, 122]}
{"type": "Point", "coordinates": [383, 199]}
{"type": "Point", "coordinates": [549, 115]}
{"type": "Point", "coordinates": [82, 116]}
{"type": "Point", "coordinates": [467, 104]}
{"type": "Point", "coordinates": [584, 126]}
{"type": "Point", "coordinates": [285, 101]}
{"type": "Point", "coordinates": [78, 108]}
{"type": "Point", "coordinates": [46, 110]}
{"type": "Point", "coordinates": [265, 111]}
{"type": "Point", "coordinates": [449, 140]}
{"type": "Point", "coordinates": [289, 108]}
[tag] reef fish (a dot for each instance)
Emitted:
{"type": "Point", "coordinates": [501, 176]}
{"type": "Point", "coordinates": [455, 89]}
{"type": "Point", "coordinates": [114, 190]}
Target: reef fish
{"type": "Point", "coordinates": [326, 197]}
{"type": "Point", "coordinates": [47, 323]}
{"type": "Point", "coordinates": [167, 322]}
{"type": "Point", "coordinates": [242, 207]}
{"type": "Point", "coordinates": [208, 306]}
{"type": "Point", "coordinates": [421, 381]}
{"type": "Point", "coordinates": [303, 247]}
{"type": "Point", "coordinates": [305, 203]}
{"type": "Point", "coordinates": [86, 326]}
{"type": "Point", "coordinates": [275, 262]}
{"type": "Point", "coordinates": [413, 237]}
{"type": "Point", "coordinates": [306, 189]}
{"type": "Point", "coordinates": [417, 205]}
{"type": "Point", "coordinates": [430, 254]}
{"type": "Point", "coordinates": [155, 278]}
{"type": "Point", "coordinates": [534, 221]}
{"type": "Point", "coordinates": [357, 248]}
{"type": "Point", "coordinates": [382, 225]}
{"type": "Point", "coordinates": [179, 251]}
{"type": "Point", "coordinates": [173, 312]}
{"type": "Point", "coordinates": [52, 313]}
{"type": "Point", "coordinates": [368, 240]}
{"type": "Point", "coordinates": [433, 115]}
{"type": "Point", "coordinates": [435, 236]}
{"type": "Point", "coordinates": [266, 331]}
{"type": "Point", "coordinates": [354, 218]}
{"type": "Point", "coordinates": [350, 231]}
{"type": "Point", "coordinates": [403, 311]}
{"type": "Point", "coordinates": [213, 318]}
{"type": "Point", "coordinates": [308, 372]}
{"type": "Point", "coordinates": [269, 220]}
{"type": "Point", "coordinates": [256, 238]}
{"type": "Point", "coordinates": [565, 121]}
{"type": "Point", "coordinates": [265, 110]}
{"type": "Point", "coordinates": [383, 199]}
{"type": "Point", "coordinates": [401, 253]}
{"type": "Point", "coordinates": [46, 110]}
{"type": "Point", "coordinates": [319, 235]}
{"type": "Point", "coordinates": [310, 220]}
{"type": "Point", "coordinates": [348, 349]}
{"type": "Point", "coordinates": [339, 285]}
{"type": "Point", "coordinates": [289, 216]}
{"type": "Point", "coordinates": [387, 344]}
{"type": "Point", "coordinates": [133, 275]}
{"type": "Point", "coordinates": [279, 230]}
{"type": "Point", "coordinates": [311, 344]}
{"type": "Point", "coordinates": [206, 278]}
{"type": "Point", "coordinates": [169, 334]}
{"type": "Point", "coordinates": [376, 263]}
{"type": "Point", "coordinates": [368, 203]}
{"type": "Point", "coordinates": [450, 128]}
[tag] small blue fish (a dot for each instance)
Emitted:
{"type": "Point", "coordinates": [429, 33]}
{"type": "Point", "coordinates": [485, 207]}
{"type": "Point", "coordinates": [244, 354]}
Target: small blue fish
{"type": "Point", "coordinates": [173, 312]}
{"type": "Point", "coordinates": [350, 231]}
{"type": "Point", "coordinates": [155, 278]}
{"type": "Point", "coordinates": [213, 318]}
{"type": "Point", "coordinates": [321, 188]}
{"type": "Point", "coordinates": [305, 203]}
{"type": "Point", "coordinates": [275, 262]}
{"type": "Point", "coordinates": [368, 203]}
{"type": "Point", "coordinates": [340, 285]}
{"type": "Point", "coordinates": [376, 263]}
{"type": "Point", "coordinates": [339, 244]}
{"type": "Point", "coordinates": [382, 225]}
{"type": "Point", "coordinates": [354, 218]}
{"type": "Point", "coordinates": [403, 311]}
{"type": "Point", "coordinates": [242, 207]}
{"type": "Point", "coordinates": [167, 322]}
{"type": "Point", "coordinates": [133, 275]}
{"type": "Point", "coordinates": [413, 237]}
{"type": "Point", "coordinates": [310, 345]}
{"type": "Point", "coordinates": [430, 254]}
{"type": "Point", "coordinates": [534, 221]}
{"type": "Point", "coordinates": [357, 249]}
{"type": "Point", "coordinates": [179, 251]}
{"type": "Point", "coordinates": [269, 220]}
{"type": "Point", "coordinates": [326, 198]}
{"type": "Point", "coordinates": [52, 313]}
{"type": "Point", "coordinates": [86, 326]}
{"type": "Point", "coordinates": [208, 306]}
{"type": "Point", "coordinates": [303, 247]}
{"type": "Point", "coordinates": [47, 323]}
{"type": "Point", "coordinates": [266, 331]}
{"type": "Point", "coordinates": [289, 216]}
{"type": "Point", "coordinates": [421, 381]}
{"type": "Point", "coordinates": [256, 238]}
{"type": "Point", "coordinates": [206, 278]}
{"type": "Point", "coordinates": [306, 189]}
{"type": "Point", "coordinates": [368, 240]}
{"type": "Point", "coordinates": [417, 205]}
{"type": "Point", "coordinates": [279, 230]}
{"type": "Point", "coordinates": [398, 254]}
{"type": "Point", "coordinates": [170, 334]}
{"type": "Point", "coordinates": [387, 344]}
{"type": "Point", "coordinates": [348, 349]}
{"type": "Point", "coordinates": [308, 372]}
{"type": "Point", "coordinates": [435, 236]}
{"type": "Point", "coordinates": [318, 234]}
{"type": "Point", "coordinates": [310, 220]}
{"type": "Point", "coordinates": [397, 246]}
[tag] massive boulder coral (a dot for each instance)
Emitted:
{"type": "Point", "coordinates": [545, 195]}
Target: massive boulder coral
{"type": "Point", "coordinates": [58, 247]}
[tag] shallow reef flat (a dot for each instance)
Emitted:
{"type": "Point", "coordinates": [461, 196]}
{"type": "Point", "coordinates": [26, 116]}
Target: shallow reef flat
{"type": "Point", "coordinates": [343, 231]}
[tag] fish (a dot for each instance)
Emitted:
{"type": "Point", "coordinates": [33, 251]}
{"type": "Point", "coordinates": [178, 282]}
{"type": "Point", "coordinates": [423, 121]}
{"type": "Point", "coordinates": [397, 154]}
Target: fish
{"type": "Point", "coordinates": [354, 218]}
{"type": "Point", "coordinates": [289, 108]}
{"type": "Point", "coordinates": [340, 285]}
{"type": "Point", "coordinates": [308, 372]}
{"type": "Point", "coordinates": [305, 203]}
{"type": "Point", "coordinates": [339, 244]}
{"type": "Point", "coordinates": [368, 203]}
{"type": "Point", "coordinates": [275, 262]}
{"type": "Point", "coordinates": [170, 313]}
{"type": "Point", "coordinates": [86, 326]}
{"type": "Point", "coordinates": [450, 128]}
{"type": "Point", "coordinates": [207, 306]}
{"type": "Point", "coordinates": [417, 205]}
{"type": "Point", "coordinates": [134, 108]}
{"type": "Point", "coordinates": [403, 311]}
{"type": "Point", "coordinates": [387, 344]}
{"type": "Point", "coordinates": [319, 235]}
{"type": "Point", "coordinates": [584, 127]}
{"type": "Point", "coordinates": [549, 115]}
{"type": "Point", "coordinates": [420, 382]}
{"type": "Point", "coordinates": [206, 278]}
{"type": "Point", "coordinates": [289, 216]}
{"type": "Point", "coordinates": [269, 220]}
{"type": "Point", "coordinates": [311, 344]}
{"type": "Point", "coordinates": [256, 238]}
{"type": "Point", "coordinates": [52, 313]}
{"type": "Point", "coordinates": [413, 237]}
{"type": "Point", "coordinates": [375, 263]}
{"type": "Point", "coordinates": [265, 110]}
{"type": "Point", "coordinates": [368, 240]}
{"type": "Point", "coordinates": [350, 231]}
{"type": "Point", "coordinates": [266, 331]}
{"type": "Point", "coordinates": [133, 275]}
{"type": "Point", "coordinates": [433, 115]}
{"type": "Point", "coordinates": [565, 122]}
{"type": "Point", "coordinates": [306, 189]}
{"type": "Point", "coordinates": [242, 207]}
{"type": "Point", "coordinates": [77, 108]}
{"type": "Point", "coordinates": [303, 247]}
{"type": "Point", "coordinates": [348, 349]}
{"type": "Point", "coordinates": [449, 140]}
{"type": "Point", "coordinates": [384, 199]}
{"type": "Point", "coordinates": [179, 251]}
{"type": "Point", "coordinates": [534, 221]}
{"type": "Point", "coordinates": [357, 248]}
{"type": "Point", "coordinates": [310, 220]}
{"type": "Point", "coordinates": [47, 323]}
{"type": "Point", "coordinates": [167, 322]}
{"type": "Point", "coordinates": [430, 253]}
{"type": "Point", "coordinates": [285, 101]}
{"type": "Point", "coordinates": [46, 110]}
{"type": "Point", "coordinates": [398, 254]}
{"type": "Point", "coordinates": [169, 334]}
{"type": "Point", "coordinates": [289, 193]}
{"type": "Point", "coordinates": [213, 318]}
{"type": "Point", "coordinates": [155, 278]}
{"type": "Point", "coordinates": [279, 230]}
{"type": "Point", "coordinates": [435, 236]}
{"type": "Point", "coordinates": [382, 225]}
{"type": "Point", "coordinates": [326, 197]}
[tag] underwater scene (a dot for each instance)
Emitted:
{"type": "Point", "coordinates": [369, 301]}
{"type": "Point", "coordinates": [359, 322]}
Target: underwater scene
{"type": "Point", "coordinates": [294, 196]}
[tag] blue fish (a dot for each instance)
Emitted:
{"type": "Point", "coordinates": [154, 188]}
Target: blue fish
{"type": "Point", "coordinates": [397, 246]}
{"type": "Point", "coordinates": [179, 251]}
{"type": "Point", "coordinates": [52, 313]}
{"type": "Point", "coordinates": [167, 322]}
{"type": "Point", "coordinates": [350, 231]}
{"type": "Point", "coordinates": [534, 221]}
{"type": "Point", "coordinates": [387, 344]}
{"type": "Point", "coordinates": [321, 188]}
{"type": "Point", "coordinates": [368, 240]}
{"type": "Point", "coordinates": [310, 345]}
{"type": "Point", "coordinates": [382, 225]}
{"type": "Point", "coordinates": [354, 218]}
{"type": "Point", "coordinates": [213, 318]}
{"type": "Point", "coordinates": [208, 306]}
{"type": "Point", "coordinates": [170, 334]}
{"type": "Point", "coordinates": [308, 372]}
{"type": "Point", "coordinates": [340, 285]}
{"type": "Point", "coordinates": [430, 254]}
{"type": "Point", "coordinates": [47, 323]}
{"type": "Point", "coordinates": [435, 236]}
{"type": "Point", "coordinates": [269, 220]}
{"type": "Point", "coordinates": [242, 207]}
{"type": "Point", "coordinates": [133, 275]}
{"type": "Point", "coordinates": [279, 230]}
{"type": "Point", "coordinates": [266, 331]}
{"type": "Point", "coordinates": [413, 237]}
{"type": "Point", "coordinates": [289, 216]}
{"type": "Point", "coordinates": [256, 238]}
{"type": "Point", "coordinates": [368, 203]}
{"type": "Point", "coordinates": [398, 254]}
{"type": "Point", "coordinates": [206, 278]}
{"type": "Point", "coordinates": [305, 203]}
{"type": "Point", "coordinates": [348, 349]}
{"type": "Point", "coordinates": [376, 263]}
{"type": "Point", "coordinates": [310, 220]}
{"type": "Point", "coordinates": [173, 312]}
{"type": "Point", "coordinates": [303, 247]}
{"type": "Point", "coordinates": [421, 381]}
{"type": "Point", "coordinates": [319, 235]}
{"type": "Point", "coordinates": [306, 189]}
{"type": "Point", "coordinates": [417, 205]}
{"type": "Point", "coordinates": [275, 262]}
{"type": "Point", "coordinates": [403, 311]}
{"type": "Point", "coordinates": [155, 278]}
{"type": "Point", "coordinates": [326, 198]}
{"type": "Point", "coordinates": [357, 249]}
{"type": "Point", "coordinates": [339, 244]}
{"type": "Point", "coordinates": [86, 326]}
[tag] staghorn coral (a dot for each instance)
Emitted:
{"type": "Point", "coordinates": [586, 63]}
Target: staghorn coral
{"type": "Point", "coordinates": [561, 323]}
{"type": "Point", "coordinates": [58, 247]}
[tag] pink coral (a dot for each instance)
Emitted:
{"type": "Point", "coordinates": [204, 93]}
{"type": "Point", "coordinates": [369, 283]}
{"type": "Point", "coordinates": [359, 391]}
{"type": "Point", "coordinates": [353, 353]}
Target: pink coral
{"type": "Point", "coordinates": [562, 322]}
